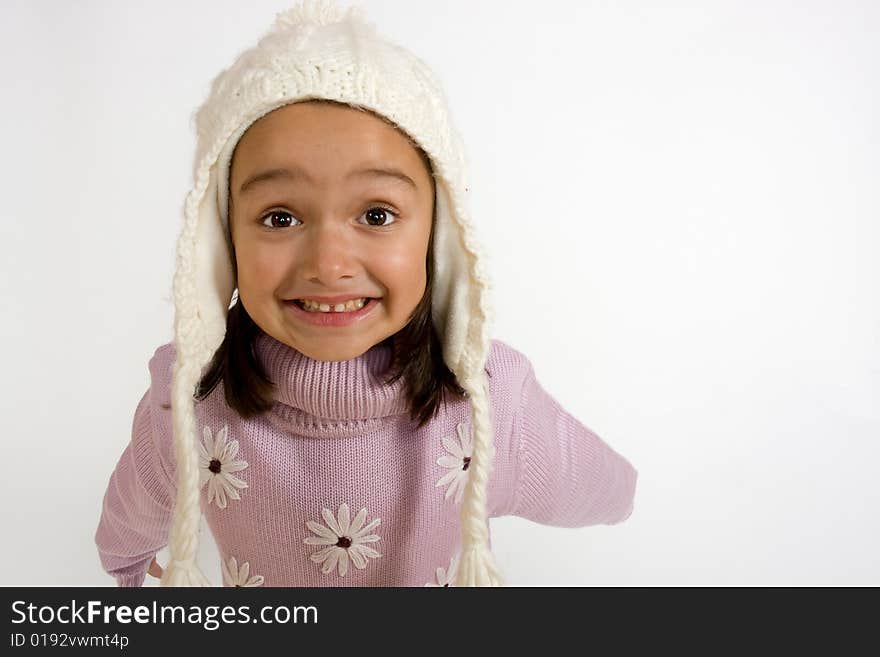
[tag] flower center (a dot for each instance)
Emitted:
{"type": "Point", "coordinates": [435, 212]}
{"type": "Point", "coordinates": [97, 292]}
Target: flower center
{"type": "Point", "coordinates": [344, 542]}
{"type": "Point", "coordinates": [467, 462]}
{"type": "Point", "coordinates": [214, 466]}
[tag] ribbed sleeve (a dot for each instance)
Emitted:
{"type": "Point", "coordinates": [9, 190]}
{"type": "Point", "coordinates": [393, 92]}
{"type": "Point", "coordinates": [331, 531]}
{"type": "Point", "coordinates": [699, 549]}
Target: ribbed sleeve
{"type": "Point", "coordinates": [567, 475]}
{"type": "Point", "coordinates": [136, 511]}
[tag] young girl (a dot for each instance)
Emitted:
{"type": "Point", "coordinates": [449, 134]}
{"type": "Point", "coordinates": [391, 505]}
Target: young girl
{"type": "Point", "coordinates": [332, 401]}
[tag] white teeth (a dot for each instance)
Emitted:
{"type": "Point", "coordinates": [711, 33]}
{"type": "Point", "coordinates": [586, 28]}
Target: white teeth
{"type": "Point", "coordinates": [348, 306]}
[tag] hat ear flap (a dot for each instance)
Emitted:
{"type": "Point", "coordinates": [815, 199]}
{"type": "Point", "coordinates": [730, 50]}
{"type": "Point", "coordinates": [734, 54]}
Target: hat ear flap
{"type": "Point", "coordinates": [452, 286]}
{"type": "Point", "coordinates": [214, 268]}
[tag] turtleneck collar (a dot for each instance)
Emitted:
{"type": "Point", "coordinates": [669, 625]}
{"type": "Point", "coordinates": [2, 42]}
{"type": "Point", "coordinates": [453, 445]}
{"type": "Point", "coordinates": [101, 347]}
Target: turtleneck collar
{"type": "Point", "coordinates": [331, 390]}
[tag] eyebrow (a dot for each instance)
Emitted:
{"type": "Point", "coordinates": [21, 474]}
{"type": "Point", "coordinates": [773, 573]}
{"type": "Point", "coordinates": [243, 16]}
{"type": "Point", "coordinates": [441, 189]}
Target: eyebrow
{"type": "Point", "coordinates": [294, 173]}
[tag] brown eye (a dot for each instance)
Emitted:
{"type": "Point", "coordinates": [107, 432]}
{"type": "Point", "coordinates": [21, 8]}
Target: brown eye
{"type": "Point", "coordinates": [376, 216]}
{"type": "Point", "coordinates": [283, 221]}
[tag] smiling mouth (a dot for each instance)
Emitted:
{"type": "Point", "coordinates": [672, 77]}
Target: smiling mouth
{"type": "Point", "coordinates": [329, 309]}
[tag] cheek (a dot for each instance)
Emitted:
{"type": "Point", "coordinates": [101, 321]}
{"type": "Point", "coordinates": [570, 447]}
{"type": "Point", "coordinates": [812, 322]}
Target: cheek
{"type": "Point", "coordinates": [403, 270]}
{"type": "Point", "coordinates": [406, 267]}
{"type": "Point", "coordinates": [258, 268]}
{"type": "Point", "coordinates": [402, 263]}
{"type": "Point", "coordinates": [407, 254]}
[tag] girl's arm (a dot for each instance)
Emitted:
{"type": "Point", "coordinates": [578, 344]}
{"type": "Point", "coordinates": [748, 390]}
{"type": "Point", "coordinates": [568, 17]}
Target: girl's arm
{"type": "Point", "coordinates": [567, 475]}
{"type": "Point", "coordinates": [136, 513]}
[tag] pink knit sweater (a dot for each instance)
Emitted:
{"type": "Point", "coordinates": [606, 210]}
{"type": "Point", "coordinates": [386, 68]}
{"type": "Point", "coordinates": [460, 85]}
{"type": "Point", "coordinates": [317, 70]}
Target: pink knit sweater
{"type": "Point", "coordinates": [335, 486]}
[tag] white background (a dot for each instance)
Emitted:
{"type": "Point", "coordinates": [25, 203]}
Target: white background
{"type": "Point", "coordinates": [680, 204]}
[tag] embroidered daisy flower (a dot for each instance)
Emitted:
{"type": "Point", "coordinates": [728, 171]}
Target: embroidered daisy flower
{"type": "Point", "coordinates": [447, 577]}
{"type": "Point", "coordinates": [344, 540]}
{"type": "Point", "coordinates": [458, 460]}
{"type": "Point", "coordinates": [235, 576]}
{"type": "Point", "coordinates": [216, 465]}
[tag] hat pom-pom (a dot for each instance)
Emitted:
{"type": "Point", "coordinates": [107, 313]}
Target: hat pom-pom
{"type": "Point", "coordinates": [314, 12]}
{"type": "Point", "coordinates": [477, 567]}
{"type": "Point", "coordinates": [178, 573]}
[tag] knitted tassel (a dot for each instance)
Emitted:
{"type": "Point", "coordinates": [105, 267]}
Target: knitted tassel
{"type": "Point", "coordinates": [477, 566]}
{"type": "Point", "coordinates": [182, 573]}
{"type": "Point", "coordinates": [192, 353]}
{"type": "Point", "coordinates": [182, 569]}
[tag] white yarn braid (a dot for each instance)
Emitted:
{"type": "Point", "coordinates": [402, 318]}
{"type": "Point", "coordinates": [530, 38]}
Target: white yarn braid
{"type": "Point", "coordinates": [477, 565]}
{"type": "Point", "coordinates": [191, 355]}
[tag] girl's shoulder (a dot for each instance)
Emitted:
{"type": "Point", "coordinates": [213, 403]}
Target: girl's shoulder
{"type": "Point", "coordinates": [507, 366]}
{"type": "Point", "coordinates": [161, 365]}
{"type": "Point", "coordinates": [154, 412]}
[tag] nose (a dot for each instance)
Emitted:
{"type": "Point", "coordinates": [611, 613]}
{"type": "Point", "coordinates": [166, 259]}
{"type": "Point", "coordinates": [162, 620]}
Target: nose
{"type": "Point", "coordinates": [328, 254]}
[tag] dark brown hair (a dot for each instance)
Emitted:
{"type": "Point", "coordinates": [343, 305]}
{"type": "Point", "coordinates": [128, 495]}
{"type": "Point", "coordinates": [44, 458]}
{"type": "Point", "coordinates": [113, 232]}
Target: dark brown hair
{"type": "Point", "coordinates": [416, 348]}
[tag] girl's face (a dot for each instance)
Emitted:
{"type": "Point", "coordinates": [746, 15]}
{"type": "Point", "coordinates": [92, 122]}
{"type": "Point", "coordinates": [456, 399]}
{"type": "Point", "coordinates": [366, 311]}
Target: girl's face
{"type": "Point", "coordinates": [329, 201]}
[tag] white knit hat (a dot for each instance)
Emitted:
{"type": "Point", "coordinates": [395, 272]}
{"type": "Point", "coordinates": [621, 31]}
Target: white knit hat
{"type": "Point", "coordinates": [317, 50]}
